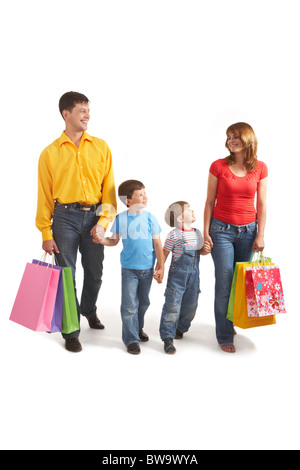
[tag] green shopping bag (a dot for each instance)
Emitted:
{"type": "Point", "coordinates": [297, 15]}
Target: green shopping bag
{"type": "Point", "coordinates": [230, 310]}
{"type": "Point", "coordinates": [70, 321]}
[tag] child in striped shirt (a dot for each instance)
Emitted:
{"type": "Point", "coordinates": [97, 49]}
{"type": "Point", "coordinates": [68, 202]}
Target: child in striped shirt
{"type": "Point", "coordinates": [183, 285]}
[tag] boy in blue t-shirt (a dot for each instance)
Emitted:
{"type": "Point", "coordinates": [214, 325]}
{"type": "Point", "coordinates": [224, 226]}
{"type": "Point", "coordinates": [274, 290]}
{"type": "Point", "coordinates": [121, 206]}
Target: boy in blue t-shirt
{"type": "Point", "coordinates": [139, 231]}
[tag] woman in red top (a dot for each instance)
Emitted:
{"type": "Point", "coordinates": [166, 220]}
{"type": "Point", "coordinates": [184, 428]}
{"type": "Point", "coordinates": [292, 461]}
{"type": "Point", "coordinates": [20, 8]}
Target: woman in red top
{"type": "Point", "coordinates": [233, 226]}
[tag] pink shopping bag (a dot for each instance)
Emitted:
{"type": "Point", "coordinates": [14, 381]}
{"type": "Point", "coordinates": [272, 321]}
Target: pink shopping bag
{"type": "Point", "coordinates": [35, 300]}
{"type": "Point", "coordinates": [264, 291]}
{"type": "Point", "coordinates": [58, 308]}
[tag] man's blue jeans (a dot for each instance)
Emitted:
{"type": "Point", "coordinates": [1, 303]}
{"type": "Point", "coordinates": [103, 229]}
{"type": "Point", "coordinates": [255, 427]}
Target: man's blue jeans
{"type": "Point", "coordinates": [71, 232]}
{"type": "Point", "coordinates": [232, 243]}
{"type": "Point", "coordinates": [136, 285]}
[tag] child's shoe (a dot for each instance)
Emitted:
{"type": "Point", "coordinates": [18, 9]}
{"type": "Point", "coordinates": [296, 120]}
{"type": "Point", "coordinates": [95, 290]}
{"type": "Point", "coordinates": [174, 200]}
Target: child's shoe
{"type": "Point", "coordinates": [178, 335]}
{"type": "Point", "coordinates": [169, 346]}
{"type": "Point", "coordinates": [143, 336]}
{"type": "Point", "coordinates": [134, 348]}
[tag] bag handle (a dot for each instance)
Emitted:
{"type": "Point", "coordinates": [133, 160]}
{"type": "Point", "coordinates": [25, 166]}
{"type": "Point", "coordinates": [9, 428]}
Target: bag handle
{"type": "Point", "coordinates": [261, 259]}
{"type": "Point", "coordinates": [43, 259]}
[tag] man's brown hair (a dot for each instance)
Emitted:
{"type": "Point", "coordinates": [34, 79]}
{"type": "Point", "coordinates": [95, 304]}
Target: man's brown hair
{"type": "Point", "coordinates": [69, 100]}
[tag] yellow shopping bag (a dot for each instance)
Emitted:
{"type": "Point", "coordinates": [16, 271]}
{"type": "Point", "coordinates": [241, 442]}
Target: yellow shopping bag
{"type": "Point", "coordinates": [240, 318]}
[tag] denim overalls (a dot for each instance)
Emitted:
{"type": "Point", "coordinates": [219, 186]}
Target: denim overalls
{"type": "Point", "coordinates": [182, 292]}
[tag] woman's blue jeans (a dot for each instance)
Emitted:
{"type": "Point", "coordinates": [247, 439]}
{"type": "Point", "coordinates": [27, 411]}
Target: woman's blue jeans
{"type": "Point", "coordinates": [232, 243]}
{"type": "Point", "coordinates": [136, 285]}
{"type": "Point", "coordinates": [71, 232]}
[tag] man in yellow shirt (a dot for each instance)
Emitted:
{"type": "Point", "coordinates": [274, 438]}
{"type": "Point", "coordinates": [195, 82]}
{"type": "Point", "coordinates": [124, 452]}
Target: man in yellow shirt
{"type": "Point", "coordinates": [76, 202]}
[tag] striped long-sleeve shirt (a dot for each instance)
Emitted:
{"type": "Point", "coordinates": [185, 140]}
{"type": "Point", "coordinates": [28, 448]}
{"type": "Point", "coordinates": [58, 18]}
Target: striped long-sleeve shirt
{"type": "Point", "coordinates": [173, 243]}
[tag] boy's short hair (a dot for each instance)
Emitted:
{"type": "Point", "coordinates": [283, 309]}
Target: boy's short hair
{"type": "Point", "coordinates": [127, 188]}
{"type": "Point", "coordinates": [69, 100]}
{"type": "Point", "coordinates": [174, 211]}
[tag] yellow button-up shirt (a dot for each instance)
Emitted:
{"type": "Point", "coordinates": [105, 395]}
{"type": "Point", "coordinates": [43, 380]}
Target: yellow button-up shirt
{"type": "Point", "coordinates": [69, 174]}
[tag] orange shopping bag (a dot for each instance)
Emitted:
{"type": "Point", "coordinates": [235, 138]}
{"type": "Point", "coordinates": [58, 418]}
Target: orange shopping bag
{"type": "Point", "coordinates": [240, 318]}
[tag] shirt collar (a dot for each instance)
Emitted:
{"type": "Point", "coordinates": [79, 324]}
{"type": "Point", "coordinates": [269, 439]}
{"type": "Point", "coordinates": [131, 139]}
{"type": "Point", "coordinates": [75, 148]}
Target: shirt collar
{"type": "Point", "coordinates": [64, 138]}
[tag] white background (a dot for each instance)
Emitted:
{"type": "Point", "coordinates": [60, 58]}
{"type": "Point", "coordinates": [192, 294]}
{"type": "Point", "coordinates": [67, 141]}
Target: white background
{"type": "Point", "coordinates": [165, 79]}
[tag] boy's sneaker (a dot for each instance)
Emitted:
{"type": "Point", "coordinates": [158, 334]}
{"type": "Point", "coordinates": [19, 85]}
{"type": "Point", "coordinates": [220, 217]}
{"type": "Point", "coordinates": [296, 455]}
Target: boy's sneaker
{"type": "Point", "coordinates": [169, 346]}
{"type": "Point", "coordinates": [178, 335]}
{"type": "Point", "coordinates": [143, 336]}
{"type": "Point", "coordinates": [134, 348]}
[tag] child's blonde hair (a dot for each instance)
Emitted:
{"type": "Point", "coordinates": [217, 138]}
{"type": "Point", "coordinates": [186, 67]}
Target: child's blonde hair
{"type": "Point", "coordinates": [174, 211]}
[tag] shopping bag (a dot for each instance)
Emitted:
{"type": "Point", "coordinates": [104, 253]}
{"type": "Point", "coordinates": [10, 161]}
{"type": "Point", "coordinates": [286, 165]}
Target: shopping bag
{"type": "Point", "coordinates": [250, 294]}
{"type": "Point", "coordinates": [56, 324]}
{"type": "Point", "coordinates": [35, 300]}
{"type": "Point", "coordinates": [230, 310]}
{"type": "Point", "coordinates": [264, 291]}
{"type": "Point", "coordinates": [70, 320]}
{"type": "Point", "coordinates": [241, 318]}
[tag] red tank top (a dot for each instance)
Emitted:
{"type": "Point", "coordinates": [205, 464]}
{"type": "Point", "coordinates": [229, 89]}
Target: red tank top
{"type": "Point", "coordinates": [236, 194]}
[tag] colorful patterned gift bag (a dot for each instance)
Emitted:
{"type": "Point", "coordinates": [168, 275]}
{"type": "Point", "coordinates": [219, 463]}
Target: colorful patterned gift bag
{"type": "Point", "coordinates": [264, 291]}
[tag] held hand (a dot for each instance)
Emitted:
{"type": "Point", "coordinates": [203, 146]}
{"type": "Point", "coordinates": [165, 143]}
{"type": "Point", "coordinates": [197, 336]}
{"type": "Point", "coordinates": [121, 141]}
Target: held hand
{"type": "Point", "coordinates": [158, 275]}
{"type": "Point", "coordinates": [50, 247]}
{"type": "Point", "coordinates": [208, 241]}
{"type": "Point", "coordinates": [98, 233]}
{"type": "Point", "coordinates": [207, 247]}
{"type": "Point", "coordinates": [258, 244]}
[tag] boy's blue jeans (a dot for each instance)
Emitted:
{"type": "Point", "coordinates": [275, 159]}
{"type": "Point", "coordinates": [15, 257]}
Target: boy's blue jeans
{"type": "Point", "coordinates": [182, 293]}
{"type": "Point", "coordinates": [136, 285]}
{"type": "Point", "coordinates": [232, 243]}
{"type": "Point", "coordinates": [71, 232]}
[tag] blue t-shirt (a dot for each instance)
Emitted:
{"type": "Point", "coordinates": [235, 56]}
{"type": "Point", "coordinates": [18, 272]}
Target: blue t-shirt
{"type": "Point", "coordinates": [136, 231]}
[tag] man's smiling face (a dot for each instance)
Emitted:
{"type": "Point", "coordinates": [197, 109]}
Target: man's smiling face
{"type": "Point", "coordinates": [79, 117]}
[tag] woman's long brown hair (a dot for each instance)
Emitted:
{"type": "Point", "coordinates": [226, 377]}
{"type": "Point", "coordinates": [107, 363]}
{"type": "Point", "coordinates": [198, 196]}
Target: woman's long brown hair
{"type": "Point", "coordinates": [249, 141]}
